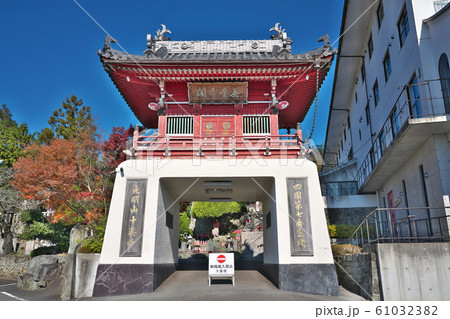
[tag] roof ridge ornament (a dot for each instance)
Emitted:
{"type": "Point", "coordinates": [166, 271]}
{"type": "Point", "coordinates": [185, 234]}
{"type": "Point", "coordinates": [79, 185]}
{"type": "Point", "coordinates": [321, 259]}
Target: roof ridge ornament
{"type": "Point", "coordinates": [108, 41]}
{"type": "Point", "coordinates": [280, 32]}
{"type": "Point", "coordinates": [325, 39]}
{"type": "Point", "coordinates": [160, 34]}
{"type": "Point", "coordinates": [281, 35]}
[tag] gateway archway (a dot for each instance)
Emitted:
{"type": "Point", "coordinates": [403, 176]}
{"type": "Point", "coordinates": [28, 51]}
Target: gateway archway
{"type": "Point", "coordinates": [218, 189]}
{"type": "Point", "coordinates": [218, 107]}
{"type": "Point", "coordinates": [297, 253]}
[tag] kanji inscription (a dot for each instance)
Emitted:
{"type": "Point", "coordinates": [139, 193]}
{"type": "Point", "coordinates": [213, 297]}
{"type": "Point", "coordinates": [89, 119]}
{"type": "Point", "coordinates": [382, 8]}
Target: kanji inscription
{"type": "Point", "coordinates": [299, 217]}
{"type": "Point", "coordinates": [133, 218]}
{"type": "Point", "coordinates": [218, 93]}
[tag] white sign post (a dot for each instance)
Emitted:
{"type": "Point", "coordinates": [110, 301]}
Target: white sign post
{"type": "Point", "coordinates": [221, 266]}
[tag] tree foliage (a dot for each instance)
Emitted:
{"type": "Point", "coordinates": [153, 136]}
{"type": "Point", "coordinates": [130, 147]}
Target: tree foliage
{"type": "Point", "coordinates": [72, 119]}
{"type": "Point", "coordinates": [13, 137]}
{"type": "Point", "coordinates": [214, 209]}
{"type": "Point", "coordinates": [38, 227]}
{"type": "Point", "coordinates": [115, 145]}
{"type": "Point", "coordinates": [67, 169]}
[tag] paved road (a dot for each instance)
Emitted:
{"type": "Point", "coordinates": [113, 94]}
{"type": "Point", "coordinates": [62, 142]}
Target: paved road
{"type": "Point", "coordinates": [190, 285]}
{"type": "Point", "coordinates": [10, 292]}
{"type": "Point", "coordinates": [249, 285]}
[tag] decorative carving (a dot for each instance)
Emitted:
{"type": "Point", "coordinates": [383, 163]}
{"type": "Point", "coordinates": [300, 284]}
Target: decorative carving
{"type": "Point", "coordinates": [279, 31]}
{"type": "Point", "coordinates": [325, 39]}
{"type": "Point", "coordinates": [108, 41]}
{"type": "Point", "coordinates": [160, 34]}
{"type": "Point", "coordinates": [281, 35]}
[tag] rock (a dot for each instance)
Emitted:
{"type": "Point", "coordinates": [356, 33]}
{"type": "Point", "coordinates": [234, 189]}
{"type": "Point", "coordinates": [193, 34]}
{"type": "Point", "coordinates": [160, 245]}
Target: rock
{"type": "Point", "coordinates": [62, 259]}
{"type": "Point", "coordinates": [77, 235]}
{"type": "Point", "coordinates": [37, 261]}
{"type": "Point", "coordinates": [26, 282]}
{"type": "Point", "coordinates": [23, 282]}
{"type": "Point", "coordinates": [48, 272]}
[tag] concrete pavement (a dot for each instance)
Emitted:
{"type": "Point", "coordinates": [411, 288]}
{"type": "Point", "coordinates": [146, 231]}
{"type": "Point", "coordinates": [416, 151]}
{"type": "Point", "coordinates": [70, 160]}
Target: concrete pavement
{"type": "Point", "coordinates": [10, 292]}
{"type": "Point", "coordinates": [189, 285]}
{"type": "Point", "coordinates": [250, 285]}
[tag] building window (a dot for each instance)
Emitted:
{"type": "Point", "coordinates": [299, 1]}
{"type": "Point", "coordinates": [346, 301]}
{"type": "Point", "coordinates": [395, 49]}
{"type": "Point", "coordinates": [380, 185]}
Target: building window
{"type": "Point", "coordinates": [444, 77]}
{"type": "Point", "coordinates": [256, 124]}
{"type": "Point", "coordinates": [180, 125]}
{"type": "Point", "coordinates": [367, 114]}
{"type": "Point", "coordinates": [345, 134]}
{"type": "Point", "coordinates": [387, 65]}
{"type": "Point", "coordinates": [363, 72]}
{"type": "Point", "coordinates": [348, 121]}
{"type": "Point", "coordinates": [380, 13]}
{"type": "Point", "coordinates": [376, 93]}
{"type": "Point", "coordinates": [370, 46]}
{"type": "Point", "coordinates": [360, 134]}
{"type": "Point", "coordinates": [415, 106]}
{"type": "Point", "coordinates": [403, 26]}
{"type": "Point", "coordinates": [393, 118]}
{"type": "Point", "coordinates": [356, 97]}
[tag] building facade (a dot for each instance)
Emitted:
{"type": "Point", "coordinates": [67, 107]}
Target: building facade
{"type": "Point", "coordinates": [389, 128]}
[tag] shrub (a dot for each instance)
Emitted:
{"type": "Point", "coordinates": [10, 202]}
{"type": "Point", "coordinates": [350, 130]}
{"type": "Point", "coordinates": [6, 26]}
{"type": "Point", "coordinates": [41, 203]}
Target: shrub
{"type": "Point", "coordinates": [91, 246]}
{"type": "Point", "coordinates": [332, 230]}
{"type": "Point", "coordinates": [46, 250]}
{"type": "Point", "coordinates": [184, 226]}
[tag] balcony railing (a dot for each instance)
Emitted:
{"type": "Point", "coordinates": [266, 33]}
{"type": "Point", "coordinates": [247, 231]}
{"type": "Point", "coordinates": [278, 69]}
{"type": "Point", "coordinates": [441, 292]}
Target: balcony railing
{"type": "Point", "coordinates": [416, 225]}
{"type": "Point", "coordinates": [416, 101]}
{"type": "Point", "coordinates": [222, 146]}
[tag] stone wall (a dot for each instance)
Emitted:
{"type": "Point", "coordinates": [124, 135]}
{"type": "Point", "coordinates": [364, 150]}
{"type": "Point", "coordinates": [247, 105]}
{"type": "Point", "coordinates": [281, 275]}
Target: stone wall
{"type": "Point", "coordinates": [252, 244]}
{"type": "Point", "coordinates": [11, 267]}
{"type": "Point", "coordinates": [359, 274]}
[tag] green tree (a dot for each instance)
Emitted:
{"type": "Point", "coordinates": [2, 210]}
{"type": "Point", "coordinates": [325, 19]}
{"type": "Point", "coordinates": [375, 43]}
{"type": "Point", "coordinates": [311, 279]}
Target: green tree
{"type": "Point", "coordinates": [38, 227]}
{"type": "Point", "coordinates": [13, 137]}
{"type": "Point", "coordinates": [184, 225]}
{"type": "Point", "coordinates": [72, 120]}
{"type": "Point", "coordinates": [214, 209]}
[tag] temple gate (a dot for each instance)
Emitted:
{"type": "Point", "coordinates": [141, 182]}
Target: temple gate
{"type": "Point", "coordinates": [217, 107]}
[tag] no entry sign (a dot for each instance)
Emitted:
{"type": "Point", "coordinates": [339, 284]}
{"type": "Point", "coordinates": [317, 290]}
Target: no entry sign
{"type": "Point", "coordinates": [221, 265]}
{"type": "Point", "coordinates": [221, 259]}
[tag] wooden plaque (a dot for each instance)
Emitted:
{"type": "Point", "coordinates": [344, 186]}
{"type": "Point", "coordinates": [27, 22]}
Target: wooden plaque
{"type": "Point", "coordinates": [218, 93]}
{"type": "Point", "coordinates": [133, 218]}
{"type": "Point", "coordinates": [299, 217]}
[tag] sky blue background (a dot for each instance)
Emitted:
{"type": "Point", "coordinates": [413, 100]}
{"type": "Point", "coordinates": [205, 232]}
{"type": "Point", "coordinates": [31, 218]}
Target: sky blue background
{"type": "Point", "coordinates": [48, 49]}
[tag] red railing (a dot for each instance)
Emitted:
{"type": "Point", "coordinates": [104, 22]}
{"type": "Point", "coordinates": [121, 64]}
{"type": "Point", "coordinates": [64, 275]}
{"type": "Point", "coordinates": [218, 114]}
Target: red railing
{"type": "Point", "coordinates": [216, 146]}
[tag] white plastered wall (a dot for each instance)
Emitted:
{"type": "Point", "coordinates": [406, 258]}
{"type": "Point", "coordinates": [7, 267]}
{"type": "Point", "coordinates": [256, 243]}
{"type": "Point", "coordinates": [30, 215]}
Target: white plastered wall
{"type": "Point", "coordinates": [279, 169]}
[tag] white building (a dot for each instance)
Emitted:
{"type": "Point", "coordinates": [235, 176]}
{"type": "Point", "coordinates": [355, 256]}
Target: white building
{"type": "Point", "coordinates": [389, 127]}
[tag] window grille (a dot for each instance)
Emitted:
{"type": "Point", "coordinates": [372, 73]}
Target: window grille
{"type": "Point", "coordinates": [256, 124]}
{"type": "Point", "coordinates": [180, 125]}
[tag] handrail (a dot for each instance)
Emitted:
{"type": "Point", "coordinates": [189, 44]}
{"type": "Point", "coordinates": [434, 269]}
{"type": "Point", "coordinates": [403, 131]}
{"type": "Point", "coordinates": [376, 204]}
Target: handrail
{"type": "Point", "coordinates": [395, 227]}
{"type": "Point", "coordinates": [401, 208]}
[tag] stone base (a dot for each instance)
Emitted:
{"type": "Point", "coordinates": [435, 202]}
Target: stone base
{"type": "Point", "coordinates": [129, 279]}
{"type": "Point", "coordinates": [320, 279]}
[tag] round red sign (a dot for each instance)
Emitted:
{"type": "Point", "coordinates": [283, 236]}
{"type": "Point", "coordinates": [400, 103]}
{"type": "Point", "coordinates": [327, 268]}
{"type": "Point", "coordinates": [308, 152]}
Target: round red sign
{"type": "Point", "coordinates": [221, 259]}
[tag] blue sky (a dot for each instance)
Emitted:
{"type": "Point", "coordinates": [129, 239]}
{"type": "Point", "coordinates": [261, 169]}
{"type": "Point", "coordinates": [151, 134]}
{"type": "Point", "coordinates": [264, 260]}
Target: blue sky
{"type": "Point", "coordinates": [48, 47]}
